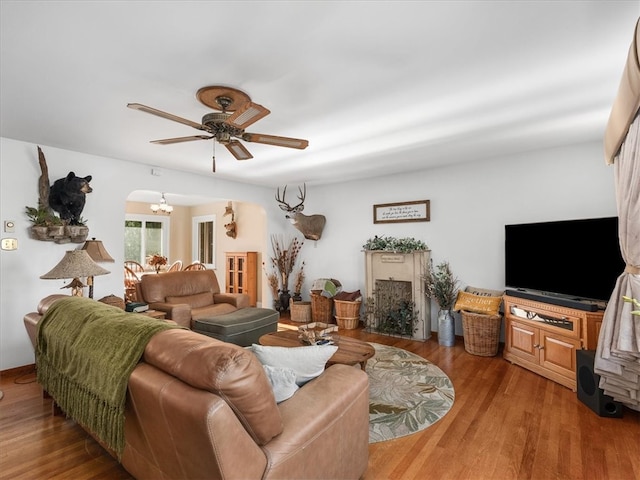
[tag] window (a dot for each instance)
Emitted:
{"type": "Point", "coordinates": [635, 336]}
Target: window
{"type": "Point", "coordinates": [145, 235]}
{"type": "Point", "coordinates": [204, 228]}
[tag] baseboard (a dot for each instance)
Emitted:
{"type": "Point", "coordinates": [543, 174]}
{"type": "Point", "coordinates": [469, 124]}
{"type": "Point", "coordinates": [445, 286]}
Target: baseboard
{"type": "Point", "coordinates": [23, 370]}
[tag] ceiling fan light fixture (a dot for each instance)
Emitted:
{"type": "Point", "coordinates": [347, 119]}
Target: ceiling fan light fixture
{"type": "Point", "coordinates": [223, 137]}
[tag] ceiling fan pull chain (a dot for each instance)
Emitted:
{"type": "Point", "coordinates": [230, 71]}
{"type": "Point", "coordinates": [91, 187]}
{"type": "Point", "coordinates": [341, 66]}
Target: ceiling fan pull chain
{"type": "Point", "coordinates": [213, 157]}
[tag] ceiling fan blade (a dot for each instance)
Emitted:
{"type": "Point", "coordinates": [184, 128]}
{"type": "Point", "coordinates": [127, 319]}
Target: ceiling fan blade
{"type": "Point", "coordinates": [275, 140]}
{"type": "Point", "coordinates": [168, 116]}
{"type": "Point", "coordinates": [169, 141]}
{"type": "Point", "coordinates": [247, 114]}
{"type": "Point", "coordinates": [237, 150]}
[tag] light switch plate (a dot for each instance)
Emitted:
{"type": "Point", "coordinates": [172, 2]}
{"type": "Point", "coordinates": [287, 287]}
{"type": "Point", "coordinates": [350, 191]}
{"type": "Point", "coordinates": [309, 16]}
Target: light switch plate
{"type": "Point", "coordinates": [9, 244]}
{"type": "Point", "coordinates": [9, 226]}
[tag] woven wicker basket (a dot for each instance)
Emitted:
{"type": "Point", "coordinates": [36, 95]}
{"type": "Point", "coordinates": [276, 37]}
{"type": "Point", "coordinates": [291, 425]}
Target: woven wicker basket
{"type": "Point", "coordinates": [348, 323]}
{"type": "Point", "coordinates": [300, 311]}
{"type": "Point", "coordinates": [113, 301]}
{"type": "Point", "coordinates": [347, 309]}
{"type": "Point", "coordinates": [481, 333]}
{"type": "Point", "coordinates": [321, 308]}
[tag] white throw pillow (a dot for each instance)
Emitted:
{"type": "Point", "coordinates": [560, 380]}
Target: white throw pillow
{"type": "Point", "coordinates": [283, 382]}
{"type": "Point", "coordinates": [308, 362]}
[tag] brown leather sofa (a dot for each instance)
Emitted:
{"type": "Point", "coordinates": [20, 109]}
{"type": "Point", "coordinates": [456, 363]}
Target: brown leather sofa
{"type": "Point", "coordinates": [200, 408]}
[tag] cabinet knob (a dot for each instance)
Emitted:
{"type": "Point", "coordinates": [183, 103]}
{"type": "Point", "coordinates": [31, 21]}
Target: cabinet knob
{"type": "Point", "coordinates": [536, 345]}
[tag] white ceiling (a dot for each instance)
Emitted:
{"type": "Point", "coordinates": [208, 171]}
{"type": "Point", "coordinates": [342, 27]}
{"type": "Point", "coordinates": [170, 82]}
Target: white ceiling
{"type": "Point", "coordinates": [376, 87]}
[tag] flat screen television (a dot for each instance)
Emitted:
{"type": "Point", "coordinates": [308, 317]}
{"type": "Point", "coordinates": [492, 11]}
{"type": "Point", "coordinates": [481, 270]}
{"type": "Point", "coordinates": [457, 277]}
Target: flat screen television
{"type": "Point", "coordinates": [578, 260]}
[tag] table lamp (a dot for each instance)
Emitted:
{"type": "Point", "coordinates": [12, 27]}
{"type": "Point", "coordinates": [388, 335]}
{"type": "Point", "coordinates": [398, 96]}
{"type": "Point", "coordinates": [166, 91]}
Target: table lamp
{"type": "Point", "coordinates": [98, 254]}
{"type": "Point", "coordinates": [75, 264]}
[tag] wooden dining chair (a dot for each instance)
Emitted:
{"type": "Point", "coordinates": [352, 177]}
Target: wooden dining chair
{"type": "Point", "coordinates": [195, 266]}
{"type": "Point", "coordinates": [134, 266]}
{"type": "Point", "coordinates": [175, 266]}
{"type": "Point", "coordinates": [131, 279]}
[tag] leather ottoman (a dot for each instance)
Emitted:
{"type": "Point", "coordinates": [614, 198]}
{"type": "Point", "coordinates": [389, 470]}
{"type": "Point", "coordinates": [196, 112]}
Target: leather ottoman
{"type": "Point", "coordinates": [242, 327]}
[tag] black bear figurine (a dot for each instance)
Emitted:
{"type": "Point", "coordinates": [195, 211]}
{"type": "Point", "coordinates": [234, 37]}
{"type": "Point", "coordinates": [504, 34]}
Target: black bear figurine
{"type": "Point", "coordinates": [67, 196]}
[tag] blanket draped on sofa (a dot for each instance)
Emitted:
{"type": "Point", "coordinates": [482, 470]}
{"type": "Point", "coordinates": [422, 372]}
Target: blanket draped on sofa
{"type": "Point", "coordinates": [85, 352]}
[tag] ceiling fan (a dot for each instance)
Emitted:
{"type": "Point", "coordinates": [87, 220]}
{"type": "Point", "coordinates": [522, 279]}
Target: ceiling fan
{"type": "Point", "coordinates": [236, 112]}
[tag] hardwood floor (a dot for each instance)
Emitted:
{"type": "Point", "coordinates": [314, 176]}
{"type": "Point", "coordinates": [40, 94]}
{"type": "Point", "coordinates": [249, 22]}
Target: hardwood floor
{"type": "Point", "coordinates": [506, 423]}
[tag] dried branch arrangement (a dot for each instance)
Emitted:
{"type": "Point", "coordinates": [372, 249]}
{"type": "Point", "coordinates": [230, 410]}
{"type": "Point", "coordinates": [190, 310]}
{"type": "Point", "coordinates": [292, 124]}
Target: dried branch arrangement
{"type": "Point", "coordinates": [285, 255]}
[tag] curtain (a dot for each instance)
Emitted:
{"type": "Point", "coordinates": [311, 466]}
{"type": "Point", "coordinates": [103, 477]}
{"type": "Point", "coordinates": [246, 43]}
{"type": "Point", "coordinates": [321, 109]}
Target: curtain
{"type": "Point", "coordinates": [617, 359]}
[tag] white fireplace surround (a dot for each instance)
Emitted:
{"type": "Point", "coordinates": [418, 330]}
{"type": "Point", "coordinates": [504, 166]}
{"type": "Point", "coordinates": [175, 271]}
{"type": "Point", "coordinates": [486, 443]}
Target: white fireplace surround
{"type": "Point", "coordinates": [407, 267]}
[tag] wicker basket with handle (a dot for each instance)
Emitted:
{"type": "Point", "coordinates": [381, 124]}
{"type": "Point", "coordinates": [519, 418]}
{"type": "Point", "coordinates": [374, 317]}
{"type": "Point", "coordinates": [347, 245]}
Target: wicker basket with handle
{"type": "Point", "coordinates": [481, 333]}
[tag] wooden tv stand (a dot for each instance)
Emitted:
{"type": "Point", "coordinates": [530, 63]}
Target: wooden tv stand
{"type": "Point", "coordinates": [543, 338]}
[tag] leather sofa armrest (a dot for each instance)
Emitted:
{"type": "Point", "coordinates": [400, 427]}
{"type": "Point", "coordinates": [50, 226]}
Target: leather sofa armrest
{"type": "Point", "coordinates": [238, 300]}
{"type": "Point", "coordinates": [46, 302]}
{"type": "Point", "coordinates": [338, 423]}
{"type": "Point", "coordinates": [31, 319]}
{"type": "Point", "coordinates": [31, 324]}
{"type": "Point", "coordinates": [178, 312]}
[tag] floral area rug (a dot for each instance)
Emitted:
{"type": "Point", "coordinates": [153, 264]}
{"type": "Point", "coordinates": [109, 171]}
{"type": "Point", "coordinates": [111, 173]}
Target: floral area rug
{"type": "Point", "coordinates": [407, 393]}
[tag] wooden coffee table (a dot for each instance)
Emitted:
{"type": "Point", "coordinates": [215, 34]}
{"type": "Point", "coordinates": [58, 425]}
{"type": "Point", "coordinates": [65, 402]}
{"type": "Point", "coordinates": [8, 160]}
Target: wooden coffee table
{"type": "Point", "coordinates": [350, 350]}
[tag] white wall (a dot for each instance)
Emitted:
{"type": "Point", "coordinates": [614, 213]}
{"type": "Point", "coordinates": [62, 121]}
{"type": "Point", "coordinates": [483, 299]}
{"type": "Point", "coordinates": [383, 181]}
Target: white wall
{"type": "Point", "coordinates": [20, 286]}
{"type": "Point", "coordinates": [470, 204]}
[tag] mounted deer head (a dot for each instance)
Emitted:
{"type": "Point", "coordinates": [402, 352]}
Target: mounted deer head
{"type": "Point", "coordinates": [310, 226]}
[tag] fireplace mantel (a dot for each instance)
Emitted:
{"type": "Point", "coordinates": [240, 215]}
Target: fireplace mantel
{"type": "Point", "coordinates": [402, 267]}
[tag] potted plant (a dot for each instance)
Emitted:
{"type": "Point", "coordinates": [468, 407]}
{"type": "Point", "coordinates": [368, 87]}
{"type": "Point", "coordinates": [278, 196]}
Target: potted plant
{"type": "Point", "coordinates": [46, 225]}
{"type": "Point", "coordinates": [441, 285]}
{"type": "Point", "coordinates": [397, 245]}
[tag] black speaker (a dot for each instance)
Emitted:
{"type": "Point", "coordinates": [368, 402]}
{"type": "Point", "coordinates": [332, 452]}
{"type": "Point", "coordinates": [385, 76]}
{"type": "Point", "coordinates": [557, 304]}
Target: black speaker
{"type": "Point", "coordinates": [588, 391]}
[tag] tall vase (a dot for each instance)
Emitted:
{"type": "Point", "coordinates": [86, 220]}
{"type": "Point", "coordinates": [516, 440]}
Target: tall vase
{"type": "Point", "coordinates": [284, 300]}
{"type": "Point", "coordinates": [446, 329]}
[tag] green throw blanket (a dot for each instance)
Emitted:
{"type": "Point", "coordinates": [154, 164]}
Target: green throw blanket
{"type": "Point", "coordinates": [85, 352]}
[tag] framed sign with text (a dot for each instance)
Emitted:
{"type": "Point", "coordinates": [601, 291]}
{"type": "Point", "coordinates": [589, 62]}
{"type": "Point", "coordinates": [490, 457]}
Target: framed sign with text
{"type": "Point", "coordinates": [417, 211]}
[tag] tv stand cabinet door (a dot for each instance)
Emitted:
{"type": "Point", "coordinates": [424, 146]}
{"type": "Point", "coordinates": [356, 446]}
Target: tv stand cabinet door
{"type": "Point", "coordinates": [522, 341]}
{"type": "Point", "coordinates": [558, 354]}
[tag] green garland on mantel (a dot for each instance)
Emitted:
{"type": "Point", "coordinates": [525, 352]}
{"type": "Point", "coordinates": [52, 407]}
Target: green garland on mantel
{"type": "Point", "coordinates": [397, 245]}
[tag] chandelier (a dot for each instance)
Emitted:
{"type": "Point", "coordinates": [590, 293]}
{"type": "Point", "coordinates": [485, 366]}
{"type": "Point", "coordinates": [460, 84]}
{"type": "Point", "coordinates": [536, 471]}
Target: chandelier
{"type": "Point", "coordinates": [162, 207]}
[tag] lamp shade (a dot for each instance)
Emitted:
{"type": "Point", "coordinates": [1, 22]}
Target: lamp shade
{"type": "Point", "coordinates": [96, 251]}
{"type": "Point", "coordinates": [75, 263]}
